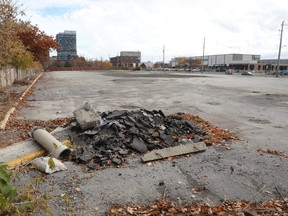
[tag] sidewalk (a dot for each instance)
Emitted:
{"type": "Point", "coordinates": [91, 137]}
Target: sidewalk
{"type": "Point", "coordinates": [25, 151]}
{"type": "Point", "coordinates": [13, 150]}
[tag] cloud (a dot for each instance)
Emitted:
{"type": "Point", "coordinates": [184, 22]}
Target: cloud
{"type": "Point", "coordinates": [106, 27]}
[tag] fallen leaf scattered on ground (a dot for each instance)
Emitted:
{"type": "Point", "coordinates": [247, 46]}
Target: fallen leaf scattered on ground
{"type": "Point", "coordinates": [9, 97]}
{"type": "Point", "coordinates": [28, 125]}
{"type": "Point", "coordinates": [215, 135]}
{"type": "Point", "coordinates": [17, 130]}
{"type": "Point", "coordinates": [164, 207]}
{"type": "Point", "coordinates": [7, 101]}
{"type": "Point", "coordinates": [273, 152]}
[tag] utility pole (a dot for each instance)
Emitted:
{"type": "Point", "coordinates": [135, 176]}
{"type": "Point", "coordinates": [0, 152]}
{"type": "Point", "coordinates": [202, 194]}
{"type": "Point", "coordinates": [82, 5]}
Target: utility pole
{"type": "Point", "coordinates": [163, 57]}
{"type": "Point", "coordinates": [117, 60]}
{"type": "Point", "coordinates": [280, 46]}
{"type": "Point", "coordinates": [203, 56]}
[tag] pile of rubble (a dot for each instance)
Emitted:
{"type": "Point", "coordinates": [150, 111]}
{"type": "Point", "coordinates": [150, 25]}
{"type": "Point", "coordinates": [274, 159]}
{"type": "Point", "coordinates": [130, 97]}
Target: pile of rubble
{"type": "Point", "coordinates": [110, 137]}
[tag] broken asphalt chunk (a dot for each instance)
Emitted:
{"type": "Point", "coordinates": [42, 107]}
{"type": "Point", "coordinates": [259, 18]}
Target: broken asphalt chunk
{"type": "Point", "coordinates": [116, 161]}
{"type": "Point", "coordinates": [116, 114]}
{"type": "Point", "coordinates": [139, 145]}
{"type": "Point", "coordinates": [123, 152]}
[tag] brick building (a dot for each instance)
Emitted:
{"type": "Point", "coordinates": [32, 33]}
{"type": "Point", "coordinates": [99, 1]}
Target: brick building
{"type": "Point", "coordinates": [127, 59]}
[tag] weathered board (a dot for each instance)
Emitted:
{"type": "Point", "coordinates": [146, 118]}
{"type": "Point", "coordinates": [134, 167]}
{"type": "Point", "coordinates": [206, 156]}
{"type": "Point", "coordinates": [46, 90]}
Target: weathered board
{"type": "Point", "coordinates": [174, 151]}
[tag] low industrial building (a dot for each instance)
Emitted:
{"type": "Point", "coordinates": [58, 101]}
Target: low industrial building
{"type": "Point", "coordinates": [240, 62]}
{"type": "Point", "coordinates": [127, 59]}
{"type": "Point", "coordinates": [270, 65]}
{"type": "Point", "coordinates": [232, 61]}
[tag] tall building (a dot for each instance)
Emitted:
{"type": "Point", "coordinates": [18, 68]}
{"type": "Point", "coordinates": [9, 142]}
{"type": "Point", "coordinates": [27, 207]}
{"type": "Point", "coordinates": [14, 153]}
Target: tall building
{"type": "Point", "coordinates": [67, 45]}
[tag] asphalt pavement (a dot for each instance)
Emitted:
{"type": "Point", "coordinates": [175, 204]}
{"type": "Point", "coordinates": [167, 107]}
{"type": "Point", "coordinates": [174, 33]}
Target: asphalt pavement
{"type": "Point", "coordinates": [254, 108]}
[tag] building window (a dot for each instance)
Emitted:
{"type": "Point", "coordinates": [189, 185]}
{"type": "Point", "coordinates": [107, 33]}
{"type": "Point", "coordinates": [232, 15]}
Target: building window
{"type": "Point", "coordinates": [237, 57]}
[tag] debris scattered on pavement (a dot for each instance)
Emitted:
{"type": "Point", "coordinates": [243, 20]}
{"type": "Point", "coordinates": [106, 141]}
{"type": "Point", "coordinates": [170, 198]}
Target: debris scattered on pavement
{"type": "Point", "coordinates": [164, 207]}
{"type": "Point", "coordinates": [214, 135]}
{"type": "Point", "coordinates": [122, 132]}
{"type": "Point", "coordinates": [86, 116]}
{"type": "Point", "coordinates": [18, 129]}
{"type": "Point", "coordinates": [174, 151]}
{"type": "Point", "coordinates": [48, 165]}
{"type": "Point", "coordinates": [273, 152]}
{"type": "Point", "coordinates": [50, 143]}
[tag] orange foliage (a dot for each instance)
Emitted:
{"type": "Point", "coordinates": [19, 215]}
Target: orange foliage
{"type": "Point", "coordinates": [36, 41]}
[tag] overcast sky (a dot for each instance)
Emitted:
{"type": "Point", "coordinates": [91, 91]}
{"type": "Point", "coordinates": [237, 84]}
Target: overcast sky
{"type": "Point", "coordinates": [106, 27]}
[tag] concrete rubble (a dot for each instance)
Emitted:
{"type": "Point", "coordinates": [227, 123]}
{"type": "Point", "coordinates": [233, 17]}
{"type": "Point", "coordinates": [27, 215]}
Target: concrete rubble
{"type": "Point", "coordinates": [121, 132]}
{"type": "Point", "coordinates": [86, 116]}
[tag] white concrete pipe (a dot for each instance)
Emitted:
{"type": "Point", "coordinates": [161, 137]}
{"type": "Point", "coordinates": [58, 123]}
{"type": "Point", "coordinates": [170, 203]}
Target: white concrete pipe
{"type": "Point", "coordinates": [50, 143]}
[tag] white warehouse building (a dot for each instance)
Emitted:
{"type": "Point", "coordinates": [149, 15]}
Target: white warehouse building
{"type": "Point", "coordinates": [235, 61]}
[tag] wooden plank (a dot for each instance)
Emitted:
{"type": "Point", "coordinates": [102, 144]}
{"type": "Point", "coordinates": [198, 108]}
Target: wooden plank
{"type": "Point", "coordinates": [174, 151]}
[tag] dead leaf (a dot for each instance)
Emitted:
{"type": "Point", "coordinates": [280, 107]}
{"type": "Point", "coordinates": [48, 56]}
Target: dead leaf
{"type": "Point", "coordinates": [172, 210]}
{"type": "Point", "coordinates": [113, 210]}
{"type": "Point", "coordinates": [130, 210]}
{"type": "Point", "coordinates": [149, 164]}
{"type": "Point", "coordinates": [51, 163]}
{"type": "Point", "coordinates": [268, 192]}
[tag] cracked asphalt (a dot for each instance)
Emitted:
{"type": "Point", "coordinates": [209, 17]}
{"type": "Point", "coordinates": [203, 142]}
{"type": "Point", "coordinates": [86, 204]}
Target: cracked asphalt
{"type": "Point", "coordinates": [253, 108]}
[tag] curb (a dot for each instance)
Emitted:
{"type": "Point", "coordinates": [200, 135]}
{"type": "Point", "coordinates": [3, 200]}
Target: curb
{"type": "Point", "coordinates": [24, 156]}
{"type": "Point", "coordinates": [23, 152]}
{"type": "Point", "coordinates": [11, 110]}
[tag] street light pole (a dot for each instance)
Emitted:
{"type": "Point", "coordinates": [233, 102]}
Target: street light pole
{"type": "Point", "coordinates": [280, 46]}
{"type": "Point", "coordinates": [202, 69]}
{"type": "Point", "coordinates": [163, 56]}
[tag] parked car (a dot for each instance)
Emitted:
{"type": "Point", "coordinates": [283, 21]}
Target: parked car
{"type": "Point", "coordinates": [248, 73]}
{"type": "Point", "coordinates": [196, 70]}
{"type": "Point", "coordinates": [283, 73]}
{"type": "Point", "coordinates": [230, 71]}
{"type": "Point", "coordinates": [220, 70]}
